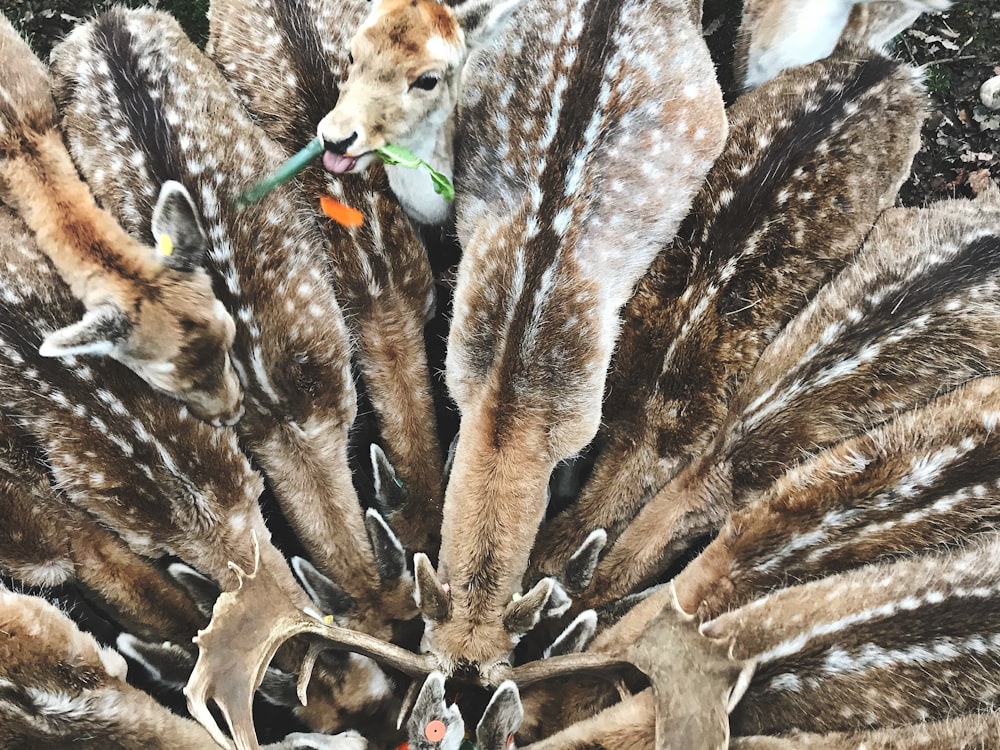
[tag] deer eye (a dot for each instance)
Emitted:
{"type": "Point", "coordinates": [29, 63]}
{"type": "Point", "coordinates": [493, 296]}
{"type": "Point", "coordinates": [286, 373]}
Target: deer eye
{"type": "Point", "coordinates": [350, 59]}
{"type": "Point", "coordinates": [426, 82]}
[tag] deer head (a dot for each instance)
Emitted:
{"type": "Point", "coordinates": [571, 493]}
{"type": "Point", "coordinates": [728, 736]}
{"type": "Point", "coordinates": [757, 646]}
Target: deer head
{"type": "Point", "coordinates": [898, 325]}
{"type": "Point", "coordinates": [402, 87]}
{"type": "Point", "coordinates": [788, 201]}
{"type": "Point", "coordinates": [150, 308]}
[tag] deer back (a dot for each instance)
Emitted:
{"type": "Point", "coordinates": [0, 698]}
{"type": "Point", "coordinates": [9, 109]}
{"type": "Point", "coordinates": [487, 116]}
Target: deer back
{"type": "Point", "coordinates": [292, 347]}
{"type": "Point", "coordinates": [151, 309]}
{"type": "Point", "coordinates": [912, 316]}
{"type": "Point", "coordinates": [285, 60]}
{"type": "Point", "coordinates": [555, 232]}
{"type": "Point", "coordinates": [789, 200]}
{"type": "Point", "coordinates": [927, 478]}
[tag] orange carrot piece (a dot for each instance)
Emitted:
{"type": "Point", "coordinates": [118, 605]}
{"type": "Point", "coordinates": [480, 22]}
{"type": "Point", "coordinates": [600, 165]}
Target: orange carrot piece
{"type": "Point", "coordinates": [345, 215]}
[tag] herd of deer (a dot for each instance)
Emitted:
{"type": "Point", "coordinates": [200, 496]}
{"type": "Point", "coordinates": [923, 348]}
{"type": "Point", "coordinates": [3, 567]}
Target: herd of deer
{"type": "Point", "coordinates": [727, 471]}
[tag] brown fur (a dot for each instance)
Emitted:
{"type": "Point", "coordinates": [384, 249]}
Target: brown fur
{"type": "Point", "coordinates": [772, 33]}
{"type": "Point", "coordinates": [169, 316]}
{"type": "Point", "coordinates": [537, 300]}
{"type": "Point", "coordinates": [60, 690]}
{"type": "Point", "coordinates": [381, 272]}
{"type": "Point", "coordinates": [967, 732]}
{"type": "Point", "coordinates": [788, 201]}
{"type": "Point", "coordinates": [849, 361]}
{"type": "Point", "coordinates": [927, 478]}
{"type": "Point", "coordinates": [292, 345]}
{"type": "Point", "coordinates": [398, 42]}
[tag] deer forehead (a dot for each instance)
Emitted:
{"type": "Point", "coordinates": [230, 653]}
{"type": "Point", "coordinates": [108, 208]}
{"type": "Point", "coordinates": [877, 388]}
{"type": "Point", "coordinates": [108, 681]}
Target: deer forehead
{"type": "Point", "coordinates": [411, 35]}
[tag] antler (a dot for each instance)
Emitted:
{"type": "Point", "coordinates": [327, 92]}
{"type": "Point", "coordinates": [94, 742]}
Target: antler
{"type": "Point", "coordinates": [235, 650]}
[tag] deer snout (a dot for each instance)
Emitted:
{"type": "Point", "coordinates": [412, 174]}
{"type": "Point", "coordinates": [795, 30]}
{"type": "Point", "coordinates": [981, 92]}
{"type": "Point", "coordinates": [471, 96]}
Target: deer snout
{"type": "Point", "coordinates": [231, 419]}
{"type": "Point", "coordinates": [340, 147]}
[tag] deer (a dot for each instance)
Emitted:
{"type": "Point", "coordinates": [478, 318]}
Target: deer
{"type": "Point", "coordinates": [404, 81]}
{"type": "Point", "coordinates": [134, 462]}
{"type": "Point", "coordinates": [917, 482]}
{"type": "Point", "coordinates": [900, 324]}
{"type": "Point", "coordinates": [59, 687]}
{"type": "Point", "coordinates": [151, 308]}
{"type": "Point", "coordinates": [967, 730]}
{"type": "Point", "coordinates": [162, 98]}
{"type": "Point", "coordinates": [285, 60]}
{"type": "Point", "coordinates": [778, 34]}
{"type": "Point", "coordinates": [536, 310]}
{"type": "Point", "coordinates": [786, 204]}
{"type": "Point", "coordinates": [436, 725]}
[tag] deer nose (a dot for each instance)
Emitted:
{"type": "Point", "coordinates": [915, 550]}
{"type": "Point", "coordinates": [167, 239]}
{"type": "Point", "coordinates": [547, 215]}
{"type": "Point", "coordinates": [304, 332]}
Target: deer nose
{"type": "Point", "coordinates": [340, 147]}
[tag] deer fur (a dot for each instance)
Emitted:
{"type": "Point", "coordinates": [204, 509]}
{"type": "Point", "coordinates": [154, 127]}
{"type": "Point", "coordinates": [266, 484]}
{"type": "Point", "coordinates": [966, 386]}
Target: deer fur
{"type": "Point", "coordinates": [912, 316]}
{"type": "Point", "coordinates": [292, 347]}
{"type": "Point", "coordinates": [59, 688]}
{"type": "Point", "coordinates": [152, 309]}
{"type": "Point", "coordinates": [889, 644]}
{"type": "Point", "coordinates": [404, 81]}
{"type": "Point", "coordinates": [555, 231]}
{"type": "Point", "coordinates": [927, 478]}
{"type": "Point", "coordinates": [788, 201]}
{"type": "Point", "coordinates": [45, 541]}
{"type": "Point", "coordinates": [285, 60]}
{"type": "Point", "coordinates": [129, 459]}
{"type": "Point", "coordinates": [779, 34]}
{"type": "Point", "coordinates": [966, 732]}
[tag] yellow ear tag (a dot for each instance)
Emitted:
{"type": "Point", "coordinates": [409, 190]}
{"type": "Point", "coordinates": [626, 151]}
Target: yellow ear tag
{"type": "Point", "coordinates": [166, 245]}
{"type": "Point", "coordinates": [328, 619]}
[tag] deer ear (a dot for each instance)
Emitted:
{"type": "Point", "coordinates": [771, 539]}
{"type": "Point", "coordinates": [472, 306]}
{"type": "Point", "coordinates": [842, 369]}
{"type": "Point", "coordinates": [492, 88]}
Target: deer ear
{"type": "Point", "coordinates": [390, 492]}
{"type": "Point", "coordinates": [433, 720]}
{"type": "Point", "coordinates": [390, 557]}
{"type": "Point", "coordinates": [432, 598]}
{"type": "Point", "coordinates": [483, 20]}
{"type": "Point", "coordinates": [576, 636]}
{"type": "Point", "coordinates": [523, 614]}
{"type": "Point", "coordinates": [327, 595]}
{"type": "Point", "coordinates": [99, 332]}
{"type": "Point", "coordinates": [581, 566]}
{"type": "Point", "coordinates": [280, 688]}
{"type": "Point", "coordinates": [502, 717]}
{"type": "Point", "coordinates": [558, 602]}
{"type": "Point", "coordinates": [202, 589]}
{"type": "Point", "coordinates": [167, 663]}
{"type": "Point", "coordinates": [177, 231]}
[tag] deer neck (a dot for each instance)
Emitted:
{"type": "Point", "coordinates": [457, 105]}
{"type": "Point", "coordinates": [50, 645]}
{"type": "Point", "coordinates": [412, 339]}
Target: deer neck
{"type": "Point", "coordinates": [79, 237]}
{"type": "Point", "coordinates": [432, 142]}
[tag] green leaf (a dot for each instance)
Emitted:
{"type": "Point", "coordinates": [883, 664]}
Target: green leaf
{"type": "Point", "coordinates": [403, 157]}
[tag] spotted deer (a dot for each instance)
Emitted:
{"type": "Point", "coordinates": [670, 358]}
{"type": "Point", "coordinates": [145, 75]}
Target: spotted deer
{"type": "Point", "coordinates": [927, 478]}
{"type": "Point", "coordinates": [407, 64]}
{"type": "Point", "coordinates": [141, 101]}
{"type": "Point", "coordinates": [285, 60]}
{"type": "Point", "coordinates": [557, 224]}
{"type": "Point", "coordinates": [59, 688]}
{"type": "Point", "coordinates": [45, 541]}
{"type": "Point", "coordinates": [786, 204]}
{"type": "Point", "coordinates": [139, 464]}
{"type": "Point", "coordinates": [910, 317]}
{"type": "Point", "coordinates": [779, 34]}
{"type": "Point", "coordinates": [153, 309]}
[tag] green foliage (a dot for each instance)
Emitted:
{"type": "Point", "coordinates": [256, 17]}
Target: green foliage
{"type": "Point", "coordinates": [936, 80]}
{"type": "Point", "coordinates": [45, 22]}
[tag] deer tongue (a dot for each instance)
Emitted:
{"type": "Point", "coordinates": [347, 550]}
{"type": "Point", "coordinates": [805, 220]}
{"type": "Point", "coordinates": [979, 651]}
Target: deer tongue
{"type": "Point", "coordinates": [338, 164]}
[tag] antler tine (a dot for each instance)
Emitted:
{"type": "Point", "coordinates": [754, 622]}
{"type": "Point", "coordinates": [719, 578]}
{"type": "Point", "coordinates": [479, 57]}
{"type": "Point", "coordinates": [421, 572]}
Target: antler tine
{"type": "Point", "coordinates": [600, 665]}
{"type": "Point", "coordinates": [235, 650]}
